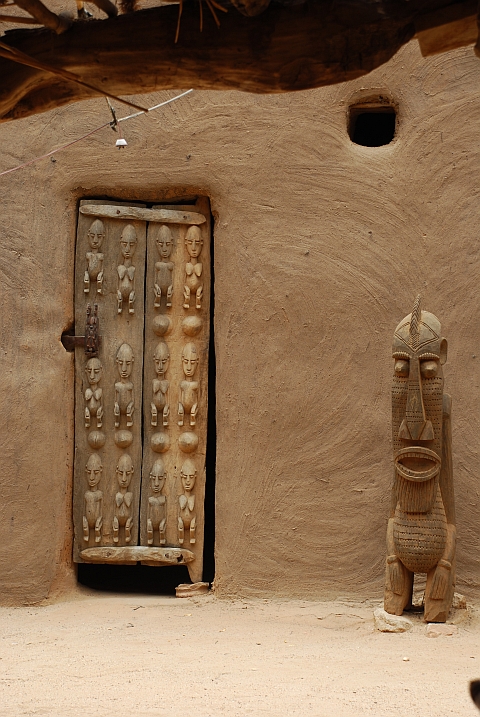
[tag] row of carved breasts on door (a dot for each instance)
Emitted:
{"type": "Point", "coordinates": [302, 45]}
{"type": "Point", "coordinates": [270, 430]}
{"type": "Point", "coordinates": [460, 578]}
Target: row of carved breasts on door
{"type": "Point", "coordinates": [163, 279]}
{"type": "Point", "coordinates": [141, 401]}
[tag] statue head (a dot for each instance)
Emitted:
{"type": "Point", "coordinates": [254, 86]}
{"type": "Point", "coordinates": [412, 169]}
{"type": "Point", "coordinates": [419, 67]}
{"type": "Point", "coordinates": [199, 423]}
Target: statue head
{"type": "Point", "coordinates": [128, 241]}
{"type": "Point", "coordinates": [124, 470]}
{"type": "Point", "coordinates": [94, 370]}
{"type": "Point", "coordinates": [419, 352]}
{"type": "Point", "coordinates": [164, 241]}
{"type": "Point", "coordinates": [94, 470]}
{"type": "Point", "coordinates": [161, 358]}
{"type": "Point", "coordinates": [96, 234]}
{"type": "Point", "coordinates": [194, 241]}
{"type": "Point", "coordinates": [188, 475]}
{"type": "Point", "coordinates": [189, 360]}
{"type": "Point", "coordinates": [157, 476]}
{"type": "Point", "coordinates": [125, 360]}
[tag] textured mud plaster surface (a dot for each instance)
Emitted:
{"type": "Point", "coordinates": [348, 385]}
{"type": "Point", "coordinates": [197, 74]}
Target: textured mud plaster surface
{"type": "Point", "coordinates": [320, 249]}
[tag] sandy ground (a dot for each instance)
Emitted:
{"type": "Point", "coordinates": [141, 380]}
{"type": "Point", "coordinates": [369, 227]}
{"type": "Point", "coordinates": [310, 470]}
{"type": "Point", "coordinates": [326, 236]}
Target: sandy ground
{"type": "Point", "coordinates": [142, 655]}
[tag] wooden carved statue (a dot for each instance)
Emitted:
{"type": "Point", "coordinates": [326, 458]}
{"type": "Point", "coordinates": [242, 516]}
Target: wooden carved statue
{"type": "Point", "coordinates": [193, 268]}
{"type": "Point", "coordinates": [163, 269]}
{"type": "Point", "coordinates": [94, 269]}
{"type": "Point", "coordinates": [186, 513]}
{"type": "Point", "coordinates": [124, 400]}
{"type": "Point", "coordinates": [188, 396]}
{"type": "Point", "coordinates": [123, 509]}
{"type": "Point", "coordinates": [92, 518]}
{"type": "Point", "coordinates": [93, 394]}
{"type": "Point", "coordinates": [161, 359]}
{"type": "Point", "coordinates": [126, 271]}
{"type": "Point", "coordinates": [421, 528]}
{"type": "Point", "coordinates": [156, 517]}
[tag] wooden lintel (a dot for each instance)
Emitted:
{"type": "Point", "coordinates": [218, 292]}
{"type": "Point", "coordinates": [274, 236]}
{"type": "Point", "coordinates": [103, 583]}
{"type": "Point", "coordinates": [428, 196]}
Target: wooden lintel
{"type": "Point", "coordinates": [165, 216]}
{"type": "Point", "coordinates": [137, 553]}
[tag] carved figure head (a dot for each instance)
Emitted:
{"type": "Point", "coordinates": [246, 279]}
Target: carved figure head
{"type": "Point", "coordinates": [194, 241]}
{"type": "Point", "coordinates": [157, 476]}
{"type": "Point", "coordinates": [161, 358]}
{"type": "Point", "coordinates": [189, 360]}
{"type": "Point", "coordinates": [188, 475]}
{"type": "Point", "coordinates": [124, 470]}
{"type": "Point", "coordinates": [94, 371]}
{"type": "Point", "coordinates": [125, 360]}
{"type": "Point", "coordinates": [96, 234]}
{"type": "Point", "coordinates": [128, 241]}
{"type": "Point", "coordinates": [164, 241]}
{"type": "Point", "coordinates": [419, 352]}
{"type": "Point", "coordinates": [94, 470]}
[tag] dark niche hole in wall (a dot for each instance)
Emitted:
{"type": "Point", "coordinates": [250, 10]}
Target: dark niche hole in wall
{"type": "Point", "coordinates": [163, 580]}
{"type": "Point", "coordinates": [372, 126]}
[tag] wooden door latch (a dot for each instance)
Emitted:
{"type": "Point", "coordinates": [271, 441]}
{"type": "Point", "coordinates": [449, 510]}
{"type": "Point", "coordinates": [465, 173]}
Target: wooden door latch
{"type": "Point", "coordinates": [91, 341]}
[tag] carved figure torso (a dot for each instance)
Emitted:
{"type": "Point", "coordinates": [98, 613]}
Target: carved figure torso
{"type": "Point", "coordinates": [156, 510]}
{"type": "Point", "coordinates": [193, 273]}
{"type": "Point", "coordinates": [126, 279]}
{"type": "Point", "coordinates": [420, 538]}
{"type": "Point", "coordinates": [93, 399]}
{"type": "Point", "coordinates": [189, 394]}
{"type": "Point", "coordinates": [124, 395]}
{"type": "Point", "coordinates": [123, 507]}
{"type": "Point", "coordinates": [94, 264]}
{"type": "Point", "coordinates": [93, 506]}
{"type": "Point", "coordinates": [187, 509]}
{"type": "Point", "coordinates": [160, 390]}
{"type": "Point", "coordinates": [164, 275]}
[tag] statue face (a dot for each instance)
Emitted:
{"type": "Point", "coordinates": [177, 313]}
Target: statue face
{"type": "Point", "coordinates": [189, 360]}
{"type": "Point", "coordinates": [419, 351]}
{"type": "Point", "coordinates": [94, 470]}
{"type": "Point", "coordinates": [157, 476]}
{"type": "Point", "coordinates": [128, 242]}
{"type": "Point", "coordinates": [161, 359]}
{"type": "Point", "coordinates": [164, 242]}
{"type": "Point", "coordinates": [125, 360]}
{"type": "Point", "coordinates": [93, 370]}
{"type": "Point", "coordinates": [124, 471]}
{"type": "Point", "coordinates": [96, 234]}
{"type": "Point", "coordinates": [188, 475]}
{"type": "Point", "coordinates": [194, 242]}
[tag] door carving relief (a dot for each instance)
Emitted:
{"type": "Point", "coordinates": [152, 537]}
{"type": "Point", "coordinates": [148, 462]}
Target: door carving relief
{"type": "Point", "coordinates": [142, 297]}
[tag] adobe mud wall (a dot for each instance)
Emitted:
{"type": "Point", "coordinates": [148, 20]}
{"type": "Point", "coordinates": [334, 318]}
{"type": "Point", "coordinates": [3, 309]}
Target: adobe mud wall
{"type": "Point", "coordinates": [320, 248]}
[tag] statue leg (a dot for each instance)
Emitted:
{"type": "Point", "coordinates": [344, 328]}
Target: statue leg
{"type": "Point", "coordinates": [131, 300]}
{"type": "Point", "coordinates": [437, 610]}
{"type": "Point", "coordinates": [99, 416]}
{"type": "Point", "coordinates": [98, 529]}
{"type": "Point", "coordinates": [199, 297]}
{"type": "Point", "coordinates": [169, 295]}
{"type": "Point", "coordinates": [119, 302]}
{"type": "Point", "coordinates": [128, 528]}
{"type": "Point", "coordinates": [154, 415]}
{"type": "Point", "coordinates": [149, 532]}
{"type": "Point", "coordinates": [86, 283]}
{"type": "Point", "coordinates": [162, 532]}
{"type": "Point", "coordinates": [87, 418]}
{"type": "Point", "coordinates": [86, 530]}
{"type": "Point", "coordinates": [180, 531]}
{"type": "Point", "coordinates": [115, 529]}
{"type": "Point", "coordinates": [396, 602]}
{"type": "Point", "coordinates": [192, 531]}
{"type": "Point", "coordinates": [186, 296]}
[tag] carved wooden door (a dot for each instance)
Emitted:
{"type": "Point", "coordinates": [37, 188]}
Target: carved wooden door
{"type": "Point", "coordinates": [143, 287]}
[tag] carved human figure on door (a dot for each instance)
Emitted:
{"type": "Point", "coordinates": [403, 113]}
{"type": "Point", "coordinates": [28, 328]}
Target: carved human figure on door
{"type": "Point", "coordinates": [124, 399]}
{"type": "Point", "coordinates": [123, 508]}
{"type": "Point", "coordinates": [94, 258]}
{"type": "Point", "coordinates": [163, 269]}
{"type": "Point", "coordinates": [193, 268]}
{"type": "Point", "coordinates": [92, 517]}
{"type": "Point", "coordinates": [126, 271]}
{"type": "Point", "coordinates": [156, 514]}
{"type": "Point", "coordinates": [186, 514]}
{"type": "Point", "coordinates": [188, 395]}
{"type": "Point", "coordinates": [160, 403]}
{"type": "Point", "coordinates": [421, 528]}
{"type": "Point", "coordinates": [93, 394]}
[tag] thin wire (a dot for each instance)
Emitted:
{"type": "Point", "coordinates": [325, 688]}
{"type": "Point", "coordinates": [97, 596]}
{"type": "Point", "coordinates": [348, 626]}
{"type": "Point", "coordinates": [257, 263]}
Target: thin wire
{"type": "Point", "coordinates": [84, 136]}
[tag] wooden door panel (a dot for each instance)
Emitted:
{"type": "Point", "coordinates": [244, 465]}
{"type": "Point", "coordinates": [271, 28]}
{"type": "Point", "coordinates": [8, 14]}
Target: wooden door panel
{"type": "Point", "coordinates": [177, 330]}
{"type": "Point", "coordinates": [108, 447]}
